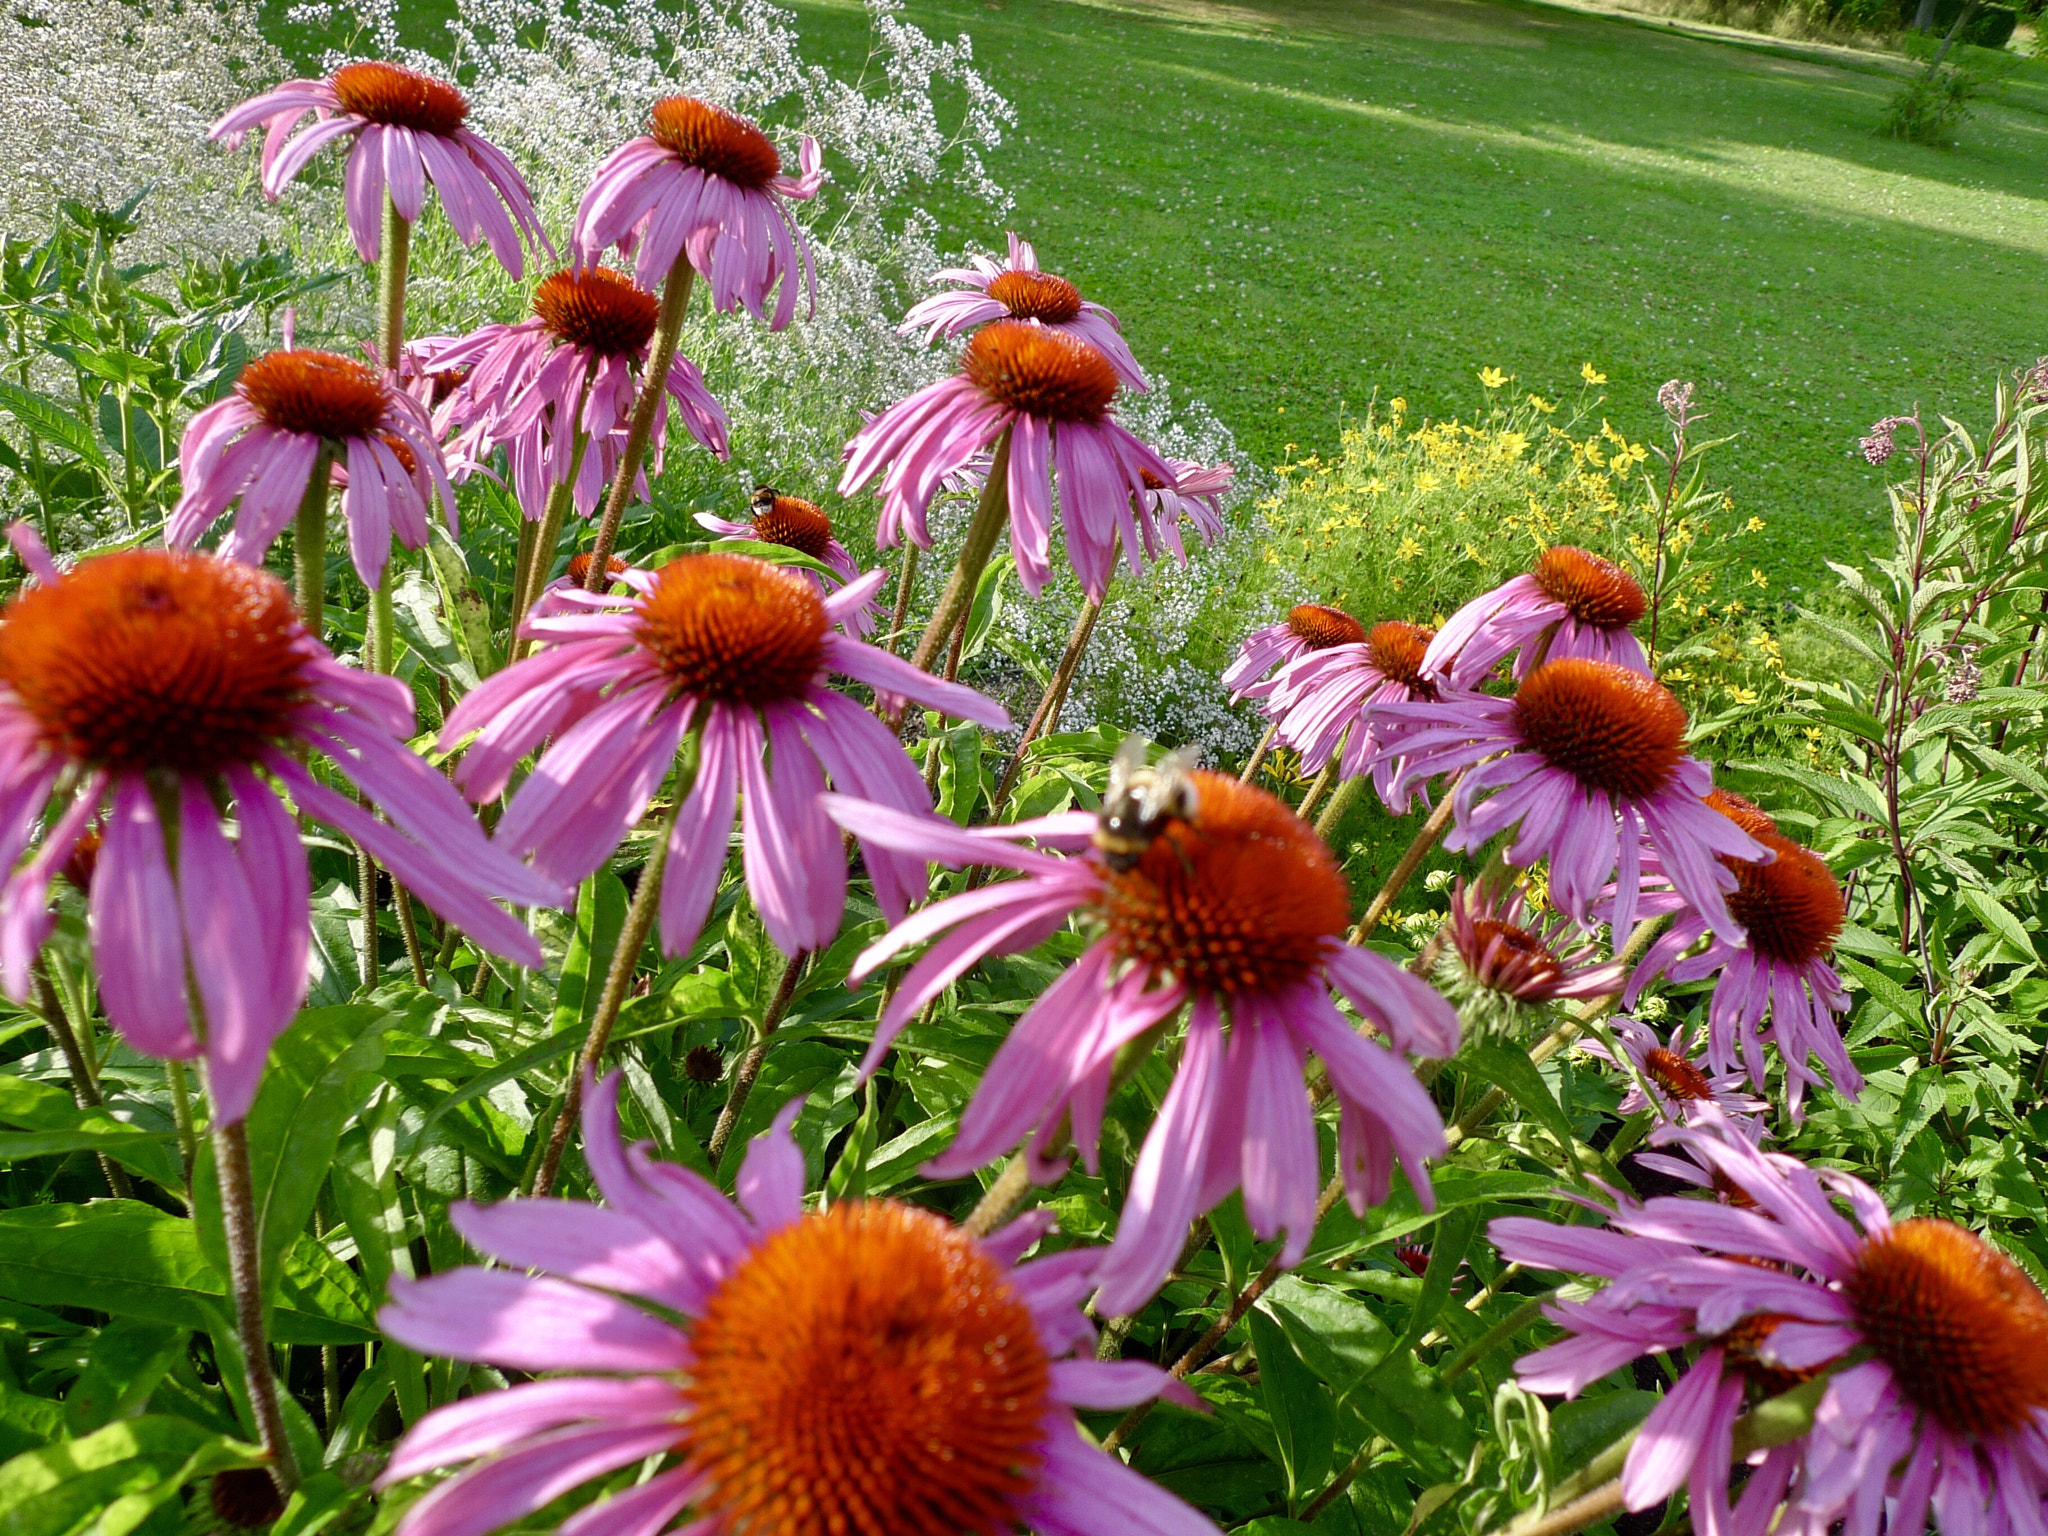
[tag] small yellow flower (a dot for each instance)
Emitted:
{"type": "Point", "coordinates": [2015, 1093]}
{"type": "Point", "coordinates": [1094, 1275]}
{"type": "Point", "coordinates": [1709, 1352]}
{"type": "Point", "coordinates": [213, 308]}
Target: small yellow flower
{"type": "Point", "coordinates": [1754, 525]}
{"type": "Point", "coordinates": [1591, 374]}
{"type": "Point", "coordinates": [1757, 578]}
{"type": "Point", "coordinates": [1542, 404]}
{"type": "Point", "coordinates": [1409, 548]}
{"type": "Point", "coordinates": [1492, 378]}
{"type": "Point", "coordinates": [1398, 406]}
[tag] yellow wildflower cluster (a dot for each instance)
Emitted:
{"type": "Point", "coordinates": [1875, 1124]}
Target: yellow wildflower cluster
{"type": "Point", "coordinates": [1411, 518]}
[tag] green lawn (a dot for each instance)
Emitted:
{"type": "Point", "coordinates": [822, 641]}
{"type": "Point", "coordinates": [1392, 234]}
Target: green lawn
{"type": "Point", "coordinates": [1296, 205]}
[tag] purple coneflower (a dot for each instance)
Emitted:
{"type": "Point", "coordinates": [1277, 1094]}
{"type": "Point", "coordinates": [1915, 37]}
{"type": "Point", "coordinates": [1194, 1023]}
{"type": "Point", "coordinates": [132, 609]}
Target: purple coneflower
{"type": "Point", "coordinates": [1934, 1345]}
{"type": "Point", "coordinates": [1239, 912]}
{"type": "Point", "coordinates": [1052, 394]}
{"type": "Point", "coordinates": [1307, 627]}
{"type": "Point", "coordinates": [1585, 762]}
{"type": "Point", "coordinates": [1573, 604]}
{"type": "Point", "coordinates": [864, 1368]}
{"type": "Point", "coordinates": [707, 183]}
{"type": "Point", "coordinates": [801, 525]}
{"type": "Point", "coordinates": [591, 327]}
{"type": "Point", "coordinates": [1791, 909]}
{"type": "Point", "coordinates": [737, 651]}
{"type": "Point", "coordinates": [1503, 959]}
{"type": "Point", "coordinates": [1678, 1082]}
{"type": "Point", "coordinates": [1318, 697]}
{"type": "Point", "coordinates": [255, 451]}
{"type": "Point", "coordinates": [1196, 492]}
{"type": "Point", "coordinates": [408, 132]}
{"type": "Point", "coordinates": [1020, 291]}
{"type": "Point", "coordinates": [160, 687]}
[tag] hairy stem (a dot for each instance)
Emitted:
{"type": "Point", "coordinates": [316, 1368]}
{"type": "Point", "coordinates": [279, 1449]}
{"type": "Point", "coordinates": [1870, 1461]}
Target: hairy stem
{"type": "Point", "coordinates": [618, 981]}
{"type": "Point", "coordinates": [181, 1117]}
{"type": "Point", "coordinates": [990, 517]}
{"type": "Point", "coordinates": [1000, 1198]}
{"type": "Point", "coordinates": [1418, 850]}
{"type": "Point", "coordinates": [906, 583]}
{"type": "Point", "coordinates": [1048, 711]}
{"type": "Point", "coordinates": [1340, 803]}
{"type": "Point", "coordinates": [238, 1227]}
{"type": "Point", "coordinates": [750, 1064]}
{"type": "Point", "coordinates": [393, 257]}
{"type": "Point", "coordinates": [1317, 789]}
{"type": "Point", "coordinates": [539, 555]}
{"type": "Point", "coordinates": [1258, 758]}
{"type": "Point", "coordinates": [668, 326]}
{"type": "Point", "coordinates": [309, 544]}
{"type": "Point", "coordinates": [85, 1092]}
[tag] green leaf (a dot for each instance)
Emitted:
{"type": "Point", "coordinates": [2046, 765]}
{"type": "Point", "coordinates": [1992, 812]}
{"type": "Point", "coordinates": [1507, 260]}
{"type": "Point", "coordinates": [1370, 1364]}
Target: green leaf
{"type": "Point", "coordinates": [1580, 1429]}
{"type": "Point", "coordinates": [468, 615]}
{"type": "Point", "coordinates": [416, 606]}
{"type": "Point", "coordinates": [986, 608]}
{"type": "Point", "coordinates": [1923, 1100]}
{"type": "Point", "coordinates": [1453, 1236]}
{"type": "Point", "coordinates": [45, 418]}
{"type": "Point", "coordinates": [1880, 986]}
{"type": "Point", "coordinates": [1300, 1406]}
{"type": "Point", "coordinates": [121, 1474]}
{"type": "Point", "coordinates": [960, 772]}
{"type": "Point", "coordinates": [51, 1123]}
{"type": "Point", "coordinates": [133, 1260]}
{"type": "Point", "coordinates": [1999, 919]}
{"type": "Point", "coordinates": [322, 1072]}
{"type": "Point", "coordinates": [1511, 1070]}
{"type": "Point", "coordinates": [600, 914]}
{"type": "Point", "coordinates": [314, 1505]}
{"type": "Point", "coordinates": [1337, 1335]}
{"type": "Point", "coordinates": [127, 1361]}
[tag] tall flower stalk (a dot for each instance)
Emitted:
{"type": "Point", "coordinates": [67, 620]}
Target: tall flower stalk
{"type": "Point", "coordinates": [668, 327]}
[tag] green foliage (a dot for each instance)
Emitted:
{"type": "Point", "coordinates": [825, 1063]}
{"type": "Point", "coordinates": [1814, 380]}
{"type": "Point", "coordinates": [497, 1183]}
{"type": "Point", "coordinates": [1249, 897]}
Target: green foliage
{"type": "Point", "coordinates": [103, 368]}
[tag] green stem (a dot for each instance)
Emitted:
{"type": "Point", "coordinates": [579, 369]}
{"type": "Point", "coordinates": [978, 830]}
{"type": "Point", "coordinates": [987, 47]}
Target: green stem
{"type": "Point", "coordinates": [1258, 757]}
{"type": "Point", "coordinates": [379, 643]}
{"type": "Point", "coordinates": [1411, 860]}
{"type": "Point", "coordinates": [1341, 802]}
{"type": "Point", "coordinates": [618, 980]}
{"type": "Point", "coordinates": [990, 517]}
{"type": "Point", "coordinates": [84, 1091]}
{"type": "Point", "coordinates": [750, 1064]}
{"type": "Point", "coordinates": [541, 556]}
{"type": "Point", "coordinates": [238, 1228]}
{"type": "Point", "coordinates": [1046, 717]}
{"type": "Point", "coordinates": [668, 326]}
{"type": "Point", "coordinates": [181, 1117]}
{"type": "Point", "coordinates": [1316, 789]}
{"type": "Point", "coordinates": [366, 899]}
{"type": "Point", "coordinates": [394, 256]}
{"type": "Point", "coordinates": [309, 544]}
{"type": "Point", "coordinates": [906, 581]}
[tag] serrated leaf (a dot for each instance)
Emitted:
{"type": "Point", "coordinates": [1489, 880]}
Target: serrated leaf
{"type": "Point", "coordinates": [46, 419]}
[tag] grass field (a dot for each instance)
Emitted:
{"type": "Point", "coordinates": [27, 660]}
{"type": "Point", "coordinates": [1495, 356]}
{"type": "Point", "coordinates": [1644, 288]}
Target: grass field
{"type": "Point", "coordinates": [1294, 204]}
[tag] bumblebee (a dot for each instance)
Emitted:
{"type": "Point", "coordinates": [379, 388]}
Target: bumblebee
{"type": "Point", "coordinates": [1141, 799]}
{"type": "Point", "coordinates": [765, 497]}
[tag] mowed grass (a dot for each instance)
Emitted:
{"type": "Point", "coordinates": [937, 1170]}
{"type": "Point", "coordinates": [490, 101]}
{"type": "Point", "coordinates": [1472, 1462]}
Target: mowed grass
{"type": "Point", "coordinates": [1295, 205]}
